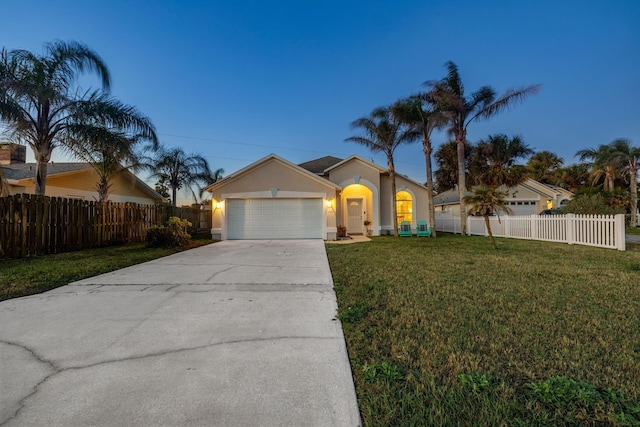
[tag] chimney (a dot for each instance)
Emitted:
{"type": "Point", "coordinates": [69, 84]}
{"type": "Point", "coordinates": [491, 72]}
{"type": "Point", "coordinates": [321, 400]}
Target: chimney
{"type": "Point", "coordinates": [12, 153]}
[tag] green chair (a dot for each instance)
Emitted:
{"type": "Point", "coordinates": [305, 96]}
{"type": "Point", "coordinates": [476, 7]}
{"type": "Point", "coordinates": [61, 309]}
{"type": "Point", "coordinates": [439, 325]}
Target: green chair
{"type": "Point", "coordinates": [405, 229]}
{"type": "Point", "coordinates": [423, 229]}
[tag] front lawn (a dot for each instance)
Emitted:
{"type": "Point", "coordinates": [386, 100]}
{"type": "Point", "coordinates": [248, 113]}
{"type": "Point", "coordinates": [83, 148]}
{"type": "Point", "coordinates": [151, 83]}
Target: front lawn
{"type": "Point", "coordinates": [27, 276]}
{"type": "Point", "coordinates": [447, 331]}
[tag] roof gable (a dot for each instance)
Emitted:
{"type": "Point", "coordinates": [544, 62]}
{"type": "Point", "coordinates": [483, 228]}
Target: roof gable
{"type": "Point", "coordinates": [269, 159]}
{"type": "Point", "coordinates": [355, 158]}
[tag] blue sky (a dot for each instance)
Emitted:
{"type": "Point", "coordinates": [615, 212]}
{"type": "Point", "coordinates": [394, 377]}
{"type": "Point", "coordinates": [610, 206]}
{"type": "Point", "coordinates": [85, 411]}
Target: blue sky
{"type": "Point", "coordinates": [235, 81]}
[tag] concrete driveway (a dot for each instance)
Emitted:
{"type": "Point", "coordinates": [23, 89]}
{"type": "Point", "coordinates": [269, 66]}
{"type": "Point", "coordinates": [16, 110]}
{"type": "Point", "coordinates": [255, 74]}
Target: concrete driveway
{"type": "Point", "coordinates": [238, 333]}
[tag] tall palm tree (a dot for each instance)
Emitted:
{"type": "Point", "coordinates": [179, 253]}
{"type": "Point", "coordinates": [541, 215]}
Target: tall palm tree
{"type": "Point", "coordinates": [383, 133]}
{"type": "Point", "coordinates": [493, 161]}
{"type": "Point", "coordinates": [627, 157]}
{"type": "Point", "coordinates": [420, 112]}
{"type": "Point", "coordinates": [177, 170]}
{"type": "Point", "coordinates": [41, 102]}
{"type": "Point", "coordinates": [108, 153]}
{"type": "Point", "coordinates": [542, 166]}
{"type": "Point", "coordinates": [602, 165]}
{"type": "Point", "coordinates": [486, 201]}
{"type": "Point", "coordinates": [463, 110]}
{"type": "Point", "coordinates": [447, 165]}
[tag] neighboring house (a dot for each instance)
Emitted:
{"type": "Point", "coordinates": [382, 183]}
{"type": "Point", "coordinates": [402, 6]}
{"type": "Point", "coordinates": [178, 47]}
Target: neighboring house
{"type": "Point", "coordinates": [71, 180]}
{"type": "Point", "coordinates": [276, 199]}
{"type": "Point", "coordinates": [529, 198]}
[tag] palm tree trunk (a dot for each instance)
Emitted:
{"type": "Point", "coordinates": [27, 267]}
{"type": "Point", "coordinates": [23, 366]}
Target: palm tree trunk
{"type": "Point", "coordinates": [392, 177]}
{"type": "Point", "coordinates": [426, 146]}
{"type": "Point", "coordinates": [488, 224]}
{"type": "Point", "coordinates": [41, 177]}
{"type": "Point", "coordinates": [461, 184]}
{"type": "Point", "coordinates": [633, 176]}
{"type": "Point", "coordinates": [4, 185]}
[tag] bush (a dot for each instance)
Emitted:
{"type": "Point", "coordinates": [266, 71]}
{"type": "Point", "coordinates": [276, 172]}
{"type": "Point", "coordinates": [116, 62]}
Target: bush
{"type": "Point", "coordinates": [592, 204]}
{"type": "Point", "coordinates": [172, 234]}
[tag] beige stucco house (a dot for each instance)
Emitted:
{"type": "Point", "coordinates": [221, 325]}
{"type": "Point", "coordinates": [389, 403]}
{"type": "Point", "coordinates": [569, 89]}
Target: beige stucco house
{"type": "Point", "coordinates": [276, 199]}
{"type": "Point", "coordinates": [71, 180]}
{"type": "Point", "coordinates": [529, 198]}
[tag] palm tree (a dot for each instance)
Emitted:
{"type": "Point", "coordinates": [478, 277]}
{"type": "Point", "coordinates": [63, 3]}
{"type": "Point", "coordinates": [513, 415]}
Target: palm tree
{"type": "Point", "coordinates": [463, 110]}
{"type": "Point", "coordinates": [627, 157]}
{"type": "Point", "coordinates": [384, 133]}
{"type": "Point", "coordinates": [420, 113]}
{"type": "Point", "coordinates": [209, 178]}
{"type": "Point", "coordinates": [108, 153]}
{"type": "Point", "coordinates": [602, 165]}
{"type": "Point", "coordinates": [571, 177]}
{"type": "Point", "coordinates": [493, 161]}
{"type": "Point", "coordinates": [41, 103]}
{"type": "Point", "coordinates": [177, 170]}
{"type": "Point", "coordinates": [447, 161]}
{"type": "Point", "coordinates": [542, 166]}
{"type": "Point", "coordinates": [486, 201]}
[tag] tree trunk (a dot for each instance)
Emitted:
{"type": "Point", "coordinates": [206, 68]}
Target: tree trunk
{"type": "Point", "coordinates": [426, 146]}
{"type": "Point", "coordinates": [462, 187]}
{"type": "Point", "coordinates": [174, 192]}
{"type": "Point", "coordinates": [42, 161]}
{"type": "Point", "coordinates": [488, 224]}
{"type": "Point", "coordinates": [392, 177]}
{"type": "Point", "coordinates": [633, 176]}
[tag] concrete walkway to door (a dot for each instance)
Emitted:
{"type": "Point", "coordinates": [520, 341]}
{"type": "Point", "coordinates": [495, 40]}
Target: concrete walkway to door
{"type": "Point", "coordinates": [238, 333]}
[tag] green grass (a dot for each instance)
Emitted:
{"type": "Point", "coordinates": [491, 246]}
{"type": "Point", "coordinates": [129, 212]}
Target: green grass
{"type": "Point", "coordinates": [448, 331]}
{"type": "Point", "coordinates": [635, 231]}
{"type": "Point", "coordinates": [28, 276]}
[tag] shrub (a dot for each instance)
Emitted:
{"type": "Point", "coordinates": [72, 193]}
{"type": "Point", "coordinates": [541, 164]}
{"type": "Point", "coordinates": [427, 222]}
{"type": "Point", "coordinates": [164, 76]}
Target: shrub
{"type": "Point", "coordinates": [172, 234]}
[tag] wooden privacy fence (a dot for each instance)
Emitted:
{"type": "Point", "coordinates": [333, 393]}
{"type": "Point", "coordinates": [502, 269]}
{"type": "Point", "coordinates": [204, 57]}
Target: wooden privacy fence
{"type": "Point", "coordinates": [605, 231]}
{"type": "Point", "coordinates": [37, 225]}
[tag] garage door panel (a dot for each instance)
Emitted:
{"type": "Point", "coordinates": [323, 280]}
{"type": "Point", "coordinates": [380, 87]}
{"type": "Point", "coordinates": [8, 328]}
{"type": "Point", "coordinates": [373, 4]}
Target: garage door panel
{"type": "Point", "coordinates": [274, 218]}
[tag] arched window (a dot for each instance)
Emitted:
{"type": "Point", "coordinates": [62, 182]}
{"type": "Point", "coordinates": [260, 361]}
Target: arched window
{"type": "Point", "coordinates": [404, 206]}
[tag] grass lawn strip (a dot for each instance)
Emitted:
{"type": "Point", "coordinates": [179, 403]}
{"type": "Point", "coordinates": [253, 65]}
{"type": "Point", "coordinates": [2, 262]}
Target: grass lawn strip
{"type": "Point", "coordinates": [28, 276]}
{"type": "Point", "coordinates": [448, 331]}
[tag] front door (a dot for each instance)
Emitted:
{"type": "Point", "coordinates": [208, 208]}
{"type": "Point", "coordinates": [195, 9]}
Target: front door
{"type": "Point", "coordinates": [354, 213]}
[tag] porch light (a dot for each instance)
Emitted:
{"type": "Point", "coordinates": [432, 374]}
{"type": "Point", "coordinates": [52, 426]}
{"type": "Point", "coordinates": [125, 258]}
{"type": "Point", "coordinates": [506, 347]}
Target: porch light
{"type": "Point", "coordinates": [217, 205]}
{"type": "Point", "coordinates": [329, 204]}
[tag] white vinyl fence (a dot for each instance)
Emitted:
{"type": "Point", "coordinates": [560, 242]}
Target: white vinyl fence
{"type": "Point", "coordinates": [605, 231]}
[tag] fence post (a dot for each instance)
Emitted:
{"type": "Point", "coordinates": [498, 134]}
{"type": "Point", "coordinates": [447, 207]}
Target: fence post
{"type": "Point", "coordinates": [570, 228]}
{"type": "Point", "coordinates": [534, 227]}
{"type": "Point", "coordinates": [620, 232]}
{"type": "Point", "coordinates": [467, 228]}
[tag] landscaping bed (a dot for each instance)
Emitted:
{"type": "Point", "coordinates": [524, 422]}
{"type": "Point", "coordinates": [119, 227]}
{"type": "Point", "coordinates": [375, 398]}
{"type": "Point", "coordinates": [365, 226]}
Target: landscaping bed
{"type": "Point", "coordinates": [448, 331]}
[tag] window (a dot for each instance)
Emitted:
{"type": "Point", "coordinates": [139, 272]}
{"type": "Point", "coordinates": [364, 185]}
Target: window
{"type": "Point", "coordinates": [404, 206]}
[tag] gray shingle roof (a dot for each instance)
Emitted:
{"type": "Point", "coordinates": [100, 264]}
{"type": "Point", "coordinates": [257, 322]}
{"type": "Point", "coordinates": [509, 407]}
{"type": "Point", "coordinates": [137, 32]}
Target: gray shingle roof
{"type": "Point", "coordinates": [318, 166]}
{"type": "Point", "coordinates": [28, 170]}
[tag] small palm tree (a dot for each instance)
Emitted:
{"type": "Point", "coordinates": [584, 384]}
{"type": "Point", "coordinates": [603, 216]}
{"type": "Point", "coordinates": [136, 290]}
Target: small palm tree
{"type": "Point", "coordinates": [177, 170]}
{"type": "Point", "coordinates": [108, 153]}
{"type": "Point", "coordinates": [383, 133]}
{"type": "Point", "coordinates": [602, 164]}
{"type": "Point", "coordinates": [493, 161]}
{"type": "Point", "coordinates": [420, 113]}
{"type": "Point", "coordinates": [486, 201]}
{"type": "Point", "coordinates": [462, 110]}
{"type": "Point", "coordinates": [41, 103]}
{"type": "Point", "coordinates": [542, 166]}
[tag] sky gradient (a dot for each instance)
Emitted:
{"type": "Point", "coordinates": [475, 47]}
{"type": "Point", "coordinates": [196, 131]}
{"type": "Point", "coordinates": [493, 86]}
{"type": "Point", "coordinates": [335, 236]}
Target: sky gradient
{"type": "Point", "coordinates": [235, 81]}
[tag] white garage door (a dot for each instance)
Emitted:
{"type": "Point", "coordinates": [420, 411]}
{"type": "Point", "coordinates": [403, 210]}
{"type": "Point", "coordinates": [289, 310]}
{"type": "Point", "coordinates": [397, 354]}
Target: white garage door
{"type": "Point", "coordinates": [274, 219]}
{"type": "Point", "coordinates": [523, 208]}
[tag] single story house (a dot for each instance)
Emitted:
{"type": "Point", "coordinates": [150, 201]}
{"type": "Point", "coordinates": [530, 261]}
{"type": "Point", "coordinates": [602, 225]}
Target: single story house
{"type": "Point", "coordinates": [71, 180]}
{"type": "Point", "coordinates": [529, 198]}
{"type": "Point", "coordinates": [276, 199]}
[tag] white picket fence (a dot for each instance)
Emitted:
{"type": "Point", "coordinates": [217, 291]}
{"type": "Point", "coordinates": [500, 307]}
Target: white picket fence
{"type": "Point", "coordinates": [605, 231]}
